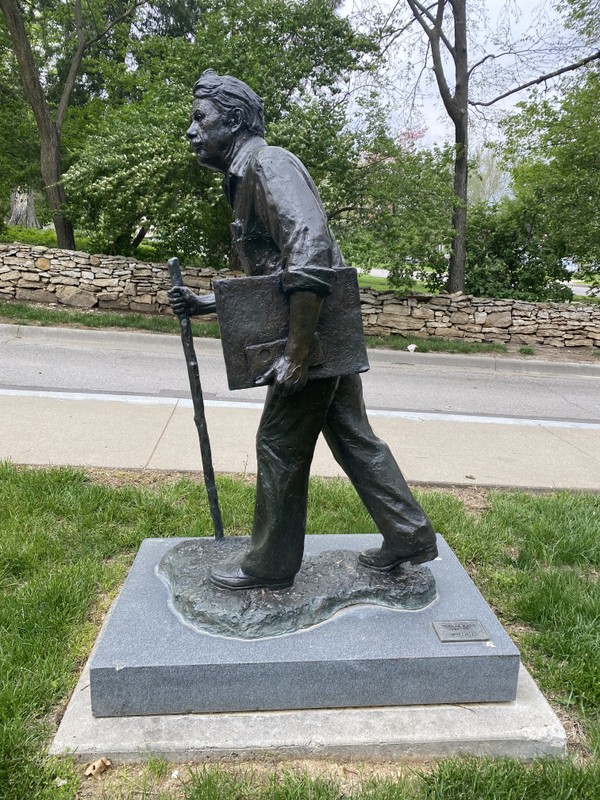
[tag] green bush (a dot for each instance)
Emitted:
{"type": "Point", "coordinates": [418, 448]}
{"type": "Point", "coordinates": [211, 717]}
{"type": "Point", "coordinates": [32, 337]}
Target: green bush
{"type": "Point", "coordinates": [45, 237]}
{"type": "Point", "coordinates": [507, 256]}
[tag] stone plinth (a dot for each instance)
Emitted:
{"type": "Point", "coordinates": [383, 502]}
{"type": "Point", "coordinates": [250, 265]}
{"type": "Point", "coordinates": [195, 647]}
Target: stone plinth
{"type": "Point", "coordinates": [148, 661]}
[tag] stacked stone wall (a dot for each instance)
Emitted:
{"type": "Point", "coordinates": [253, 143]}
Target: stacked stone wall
{"type": "Point", "coordinates": [64, 277]}
{"type": "Point", "coordinates": [479, 319]}
{"type": "Point", "coordinates": [71, 278]}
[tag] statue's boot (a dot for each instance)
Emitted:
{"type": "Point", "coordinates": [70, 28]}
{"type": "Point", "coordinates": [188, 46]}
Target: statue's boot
{"type": "Point", "coordinates": [382, 559]}
{"type": "Point", "coordinates": [234, 577]}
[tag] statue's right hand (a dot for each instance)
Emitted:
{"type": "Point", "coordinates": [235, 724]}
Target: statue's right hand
{"type": "Point", "coordinates": [182, 300]}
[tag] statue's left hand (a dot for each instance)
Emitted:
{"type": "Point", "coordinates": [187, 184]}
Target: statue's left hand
{"type": "Point", "coordinates": [287, 374]}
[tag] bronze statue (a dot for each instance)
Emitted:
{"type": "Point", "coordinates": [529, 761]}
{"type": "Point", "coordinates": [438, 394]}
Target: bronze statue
{"type": "Point", "coordinates": [280, 227]}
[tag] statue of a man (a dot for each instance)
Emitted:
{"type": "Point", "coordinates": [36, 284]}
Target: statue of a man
{"type": "Point", "coordinates": [280, 226]}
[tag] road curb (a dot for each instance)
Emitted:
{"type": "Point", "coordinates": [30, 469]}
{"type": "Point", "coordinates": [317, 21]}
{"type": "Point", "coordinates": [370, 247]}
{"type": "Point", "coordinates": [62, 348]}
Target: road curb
{"type": "Point", "coordinates": [509, 365]}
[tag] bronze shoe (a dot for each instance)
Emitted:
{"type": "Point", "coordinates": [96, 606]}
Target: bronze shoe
{"type": "Point", "coordinates": [383, 560]}
{"type": "Point", "coordinates": [236, 578]}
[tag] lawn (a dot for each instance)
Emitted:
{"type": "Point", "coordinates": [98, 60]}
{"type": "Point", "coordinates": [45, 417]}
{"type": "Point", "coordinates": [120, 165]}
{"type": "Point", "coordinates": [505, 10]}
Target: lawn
{"type": "Point", "coordinates": [24, 314]}
{"type": "Point", "coordinates": [67, 539]}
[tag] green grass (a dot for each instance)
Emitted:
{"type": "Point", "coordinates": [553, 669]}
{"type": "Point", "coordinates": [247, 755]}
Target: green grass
{"type": "Point", "coordinates": [24, 314]}
{"type": "Point", "coordinates": [380, 284]}
{"type": "Point", "coordinates": [366, 281]}
{"type": "Point", "coordinates": [433, 344]}
{"type": "Point", "coordinates": [66, 543]}
{"type": "Point", "coordinates": [586, 299]}
{"type": "Point", "coordinates": [525, 350]}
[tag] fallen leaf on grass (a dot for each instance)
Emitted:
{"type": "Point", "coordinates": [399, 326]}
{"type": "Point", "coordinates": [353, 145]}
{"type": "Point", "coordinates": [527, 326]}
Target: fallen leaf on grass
{"type": "Point", "coordinates": [58, 782]}
{"type": "Point", "coordinates": [97, 767]}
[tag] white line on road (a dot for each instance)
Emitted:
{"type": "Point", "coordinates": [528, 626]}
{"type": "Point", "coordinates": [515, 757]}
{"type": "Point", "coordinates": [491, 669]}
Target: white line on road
{"type": "Point", "coordinates": [418, 416]}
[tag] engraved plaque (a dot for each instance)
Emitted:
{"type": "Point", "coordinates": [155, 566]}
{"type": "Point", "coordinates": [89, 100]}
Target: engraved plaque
{"type": "Point", "coordinates": [461, 630]}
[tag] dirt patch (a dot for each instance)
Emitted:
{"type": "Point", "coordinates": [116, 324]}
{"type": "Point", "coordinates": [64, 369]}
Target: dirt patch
{"type": "Point", "coordinates": [475, 499]}
{"type": "Point", "coordinates": [119, 781]}
{"type": "Point", "coordinates": [147, 478]}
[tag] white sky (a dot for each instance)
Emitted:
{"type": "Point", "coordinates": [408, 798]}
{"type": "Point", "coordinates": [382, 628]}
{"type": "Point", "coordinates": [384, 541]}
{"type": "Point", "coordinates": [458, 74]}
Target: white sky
{"type": "Point", "coordinates": [488, 20]}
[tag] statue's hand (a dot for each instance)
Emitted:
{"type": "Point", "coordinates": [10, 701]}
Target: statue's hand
{"type": "Point", "coordinates": [185, 303]}
{"type": "Point", "coordinates": [182, 300]}
{"type": "Point", "coordinates": [288, 375]}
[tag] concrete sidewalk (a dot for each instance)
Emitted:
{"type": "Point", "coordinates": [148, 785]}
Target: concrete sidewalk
{"type": "Point", "coordinates": [143, 432]}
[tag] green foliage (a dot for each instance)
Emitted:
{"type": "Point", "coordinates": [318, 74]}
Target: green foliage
{"type": "Point", "coordinates": [45, 237]}
{"type": "Point", "coordinates": [19, 154]}
{"type": "Point", "coordinates": [509, 254]}
{"type": "Point", "coordinates": [553, 151]}
{"type": "Point", "coordinates": [398, 210]}
{"type": "Point", "coordinates": [433, 344]}
{"type": "Point", "coordinates": [584, 16]}
{"type": "Point", "coordinates": [23, 314]}
{"type": "Point", "coordinates": [136, 168]}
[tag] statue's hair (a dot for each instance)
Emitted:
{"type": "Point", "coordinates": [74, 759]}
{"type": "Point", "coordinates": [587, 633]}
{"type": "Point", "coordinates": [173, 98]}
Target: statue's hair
{"type": "Point", "coordinates": [229, 93]}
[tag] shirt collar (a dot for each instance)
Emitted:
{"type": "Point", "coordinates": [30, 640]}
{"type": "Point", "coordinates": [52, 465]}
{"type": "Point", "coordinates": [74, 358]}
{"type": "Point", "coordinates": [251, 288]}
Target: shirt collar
{"type": "Point", "coordinates": [241, 158]}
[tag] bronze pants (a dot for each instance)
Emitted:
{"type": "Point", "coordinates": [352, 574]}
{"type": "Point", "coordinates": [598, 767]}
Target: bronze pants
{"type": "Point", "coordinates": [285, 445]}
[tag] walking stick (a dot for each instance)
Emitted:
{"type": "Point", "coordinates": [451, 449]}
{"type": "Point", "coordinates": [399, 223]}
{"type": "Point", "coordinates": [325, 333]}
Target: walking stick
{"type": "Point", "coordinates": [187, 341]}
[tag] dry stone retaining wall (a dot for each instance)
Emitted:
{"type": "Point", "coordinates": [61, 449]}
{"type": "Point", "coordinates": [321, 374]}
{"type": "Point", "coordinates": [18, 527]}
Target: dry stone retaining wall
{"type": "Point", "coordinates": [64, 277]}
{"type": "Point", "coordinates": [71, 278]}
{"type": "Point", "coordinates": [479, 319]}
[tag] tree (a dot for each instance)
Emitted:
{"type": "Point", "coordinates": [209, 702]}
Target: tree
{"type": "Point", "coordinates": [455, 100]}
{"type": "Point", "coordinates": [397, 215]}
{"type": "Point", "coordinates": [22, 208]}
{"type": "Point", "coordinates": [81, 31]}
{"type": "Point", "coordinates": [553, 151]}
{"type": "Point", "coordinates": [136, 169]}
{"type": "Point", "coordinates": [445, 26]}
{"type": "Point", "coordinates": [509, 253]}
{"type": "Point", "coordinates": [19, 164]}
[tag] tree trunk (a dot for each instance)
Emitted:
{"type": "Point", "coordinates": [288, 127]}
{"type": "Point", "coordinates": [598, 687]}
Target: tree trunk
{"type": "Point", "coordinates": [139, 238]}
{"type": "Point", "coordinates": [22, 208]}
{"type": "Point", "coordinates": [456, 269]}
{"type": "Point", "coordinates": [51, 175]}
{"type": "Point", "coordinates": [460, 118]}
{"type": "Point", "coordinates": [48, 130]}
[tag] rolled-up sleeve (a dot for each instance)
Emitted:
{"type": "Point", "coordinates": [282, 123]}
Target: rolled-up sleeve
{"type": "Point", "coordinates": [288, 205]}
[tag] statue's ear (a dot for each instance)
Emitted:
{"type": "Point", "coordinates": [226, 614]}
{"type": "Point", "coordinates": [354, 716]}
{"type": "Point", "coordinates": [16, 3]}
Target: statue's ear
{"type": "Point", "coordinates": [236, 119]}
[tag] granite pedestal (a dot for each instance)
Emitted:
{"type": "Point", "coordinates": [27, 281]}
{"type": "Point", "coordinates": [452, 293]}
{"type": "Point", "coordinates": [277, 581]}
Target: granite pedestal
{"type": "Point", "coordinates": [148, 662]}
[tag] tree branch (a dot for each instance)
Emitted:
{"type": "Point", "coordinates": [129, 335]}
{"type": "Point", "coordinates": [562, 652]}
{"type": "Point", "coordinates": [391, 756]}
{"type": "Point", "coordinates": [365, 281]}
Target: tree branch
{"type": "Point", "coordinates": [339, 211]}
{"type": "Point", "coordinates": [27, 68]}
{"type": "Point", "coordinates": [437, 23]}
{"type": "Point", "coordinates": [82, 45]}
{"type": "Point", "coordinates": [569, 68]}
{"type": "Point", "coordinates": [433, 34]}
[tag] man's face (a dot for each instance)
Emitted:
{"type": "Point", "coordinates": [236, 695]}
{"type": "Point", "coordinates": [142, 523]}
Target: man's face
{"type": "Point", "coordinates": [210, 135]}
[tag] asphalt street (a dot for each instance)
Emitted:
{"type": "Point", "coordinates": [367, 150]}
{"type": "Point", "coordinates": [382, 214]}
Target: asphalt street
{"type": "Point", "coordinates": [73, 360]}
{"type": "Point", "coordinates": [121, 400]}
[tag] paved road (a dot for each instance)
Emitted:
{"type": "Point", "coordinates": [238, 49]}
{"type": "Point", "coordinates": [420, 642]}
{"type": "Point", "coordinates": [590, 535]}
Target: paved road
{"type": "Point", "coordinates": [120, 400]}
{"type": "Point", "coordinates": [147, 364]}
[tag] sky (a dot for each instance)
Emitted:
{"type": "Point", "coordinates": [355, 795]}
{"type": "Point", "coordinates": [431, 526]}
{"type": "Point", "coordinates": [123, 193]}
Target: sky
{"type": "Point", "coordinates": [490, 20]}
